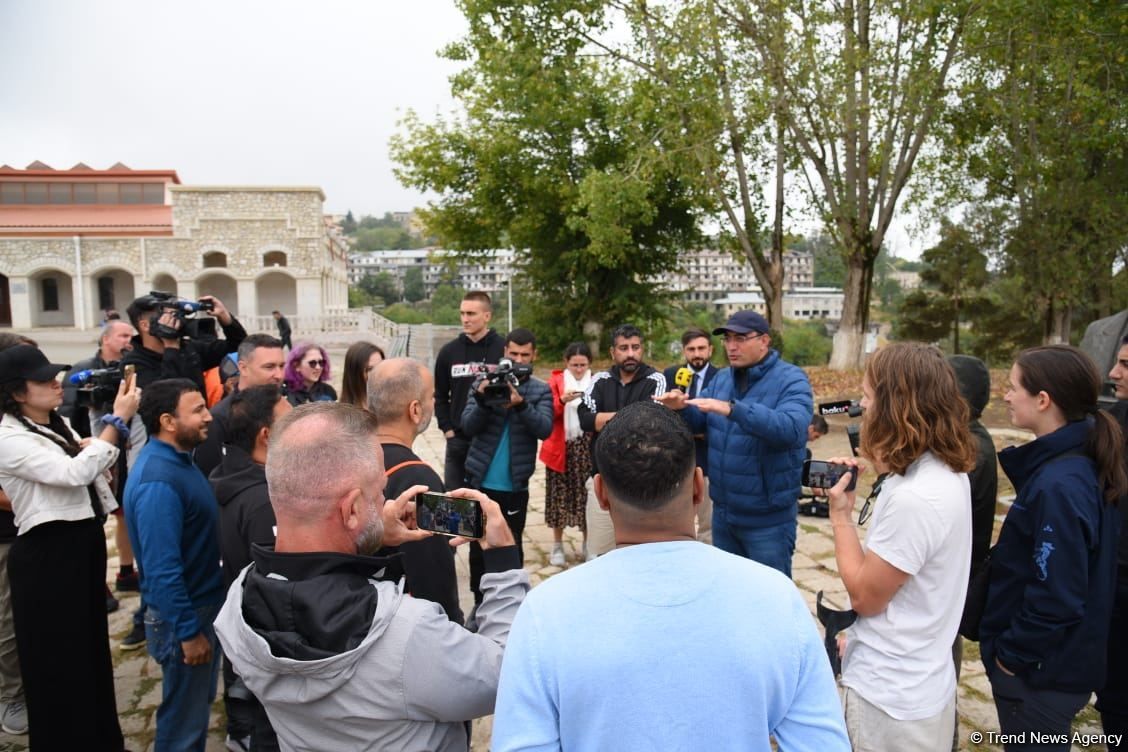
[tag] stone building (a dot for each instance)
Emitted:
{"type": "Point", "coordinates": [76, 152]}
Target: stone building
{"type": "Point", "coordinates": [76, 242]}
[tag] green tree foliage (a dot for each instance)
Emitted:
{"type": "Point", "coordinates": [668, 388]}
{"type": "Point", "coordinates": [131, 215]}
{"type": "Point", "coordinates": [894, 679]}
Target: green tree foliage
{"type": "Point", "coordinates": [1042, 135]}
{"type": "Point", "coordinates": [348, 224]}
{"type": "Point", "coordinates": [954, 273]}
{"type": "Point", "coordinates": [413, 287]}
{"type": "Point", "coordinates": [804, 343]}
{"type": "Point", "coordinates": [555, 158]}
{"type": "Point", "coordinates": [382, 285]}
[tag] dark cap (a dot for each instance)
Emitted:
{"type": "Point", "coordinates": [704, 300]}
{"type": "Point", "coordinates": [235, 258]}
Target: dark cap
{"type": "Point", "coordinates": [27, 363]}
{"type": "Point", "coordinates": [743, 322]}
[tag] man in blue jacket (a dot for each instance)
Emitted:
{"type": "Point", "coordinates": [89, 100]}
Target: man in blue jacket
{"type": "Point", "coordinates": [503, 443]}
{"type": "Point", "coordinates": [173, 519]}
{"type": "Point", "coordinates": [755, 414]}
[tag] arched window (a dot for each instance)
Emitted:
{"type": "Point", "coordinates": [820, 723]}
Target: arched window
{"type": "Point", "coordinates": [274, 258]}
{"type": "Point", "coordinates": [215, 260]}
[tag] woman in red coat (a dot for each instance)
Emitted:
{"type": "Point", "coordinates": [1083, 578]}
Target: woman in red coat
{"type": "Point", "coordinates": [566, 453]}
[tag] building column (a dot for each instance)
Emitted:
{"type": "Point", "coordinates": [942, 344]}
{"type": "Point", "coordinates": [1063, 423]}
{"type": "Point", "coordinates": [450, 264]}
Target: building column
{"type": "Point", "coordinates": [78, 286]}
{"type": "Point", "coordinates": [20, 297]}
{"type": "Point", "coordinates": [248, 298]}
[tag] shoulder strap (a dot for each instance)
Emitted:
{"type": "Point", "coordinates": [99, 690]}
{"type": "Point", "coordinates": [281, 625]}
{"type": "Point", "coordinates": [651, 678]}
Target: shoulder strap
{"type": "Point", "coordinates": [405, 463]}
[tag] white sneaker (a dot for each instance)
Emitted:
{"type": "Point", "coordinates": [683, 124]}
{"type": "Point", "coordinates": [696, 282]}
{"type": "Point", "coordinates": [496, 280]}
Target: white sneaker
{"type": "Point", "coordinates": [14, 719]}
{"type": "Point", "coordinates": [556, 558]}
{"type": "Point", "coordinates": [234, 744]}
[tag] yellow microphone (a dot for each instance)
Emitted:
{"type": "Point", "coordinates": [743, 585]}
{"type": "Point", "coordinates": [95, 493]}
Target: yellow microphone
{"type": "Point", "coordinates": [683, 378]}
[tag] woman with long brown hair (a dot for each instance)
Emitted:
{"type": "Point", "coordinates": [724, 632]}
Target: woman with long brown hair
{"type": "Point", "coordinates": [360, 359]}
{"type": "Point", "coordinates": [907, 583]}
{"type": "Point", "coordinates": [1044, 631]}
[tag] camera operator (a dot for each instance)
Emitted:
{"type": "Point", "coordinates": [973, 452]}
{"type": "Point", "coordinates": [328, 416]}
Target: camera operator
{"type": "Point", "coordinates": [504, 420]}
{"type": "Point", "coordinates": [174, 357]}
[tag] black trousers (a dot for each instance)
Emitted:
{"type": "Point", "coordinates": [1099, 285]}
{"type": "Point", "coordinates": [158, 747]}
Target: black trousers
{"type": "Point", "coordinates": [454, 465]}
{"type": "Point", "coordinates": [58, 575]}
{"type": "Point", "coordinates": [515, 506]}
{"type": "Point", "coordinates": [1112, 699]}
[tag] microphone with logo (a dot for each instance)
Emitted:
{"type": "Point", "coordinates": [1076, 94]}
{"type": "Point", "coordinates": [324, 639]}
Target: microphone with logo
{"type": "Point", "coordinates": [683, 378]}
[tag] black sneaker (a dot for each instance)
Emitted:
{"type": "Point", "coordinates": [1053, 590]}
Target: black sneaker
{"type": "Point", "coordinates": [111, 604]}
{"type": "Point", "coordinates": [127, 583]}
{"type": "Point", "coordinates": [135, 639]}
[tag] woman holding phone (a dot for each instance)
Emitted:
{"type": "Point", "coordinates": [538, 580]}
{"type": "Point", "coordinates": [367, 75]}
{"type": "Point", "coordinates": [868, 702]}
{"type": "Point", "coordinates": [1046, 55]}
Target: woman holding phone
{"type": "Point", "coordinates": [1045, 625]}
{"type": "Point", "coordinates": [907, 583]}
{"type": "Point", "coordinates": [566, 453]}
{"type": "Point", "coordinates": [57, 564]}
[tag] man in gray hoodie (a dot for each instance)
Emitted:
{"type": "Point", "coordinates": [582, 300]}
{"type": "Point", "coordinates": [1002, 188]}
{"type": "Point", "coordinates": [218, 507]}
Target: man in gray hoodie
{"type": "Point", "coordinates": [322, 633]}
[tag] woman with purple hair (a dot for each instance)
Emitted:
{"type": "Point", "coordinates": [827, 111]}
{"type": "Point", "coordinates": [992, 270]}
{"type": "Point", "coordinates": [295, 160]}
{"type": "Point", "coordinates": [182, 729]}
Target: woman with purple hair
{"type": "Point", "coordinates": [307, 375]}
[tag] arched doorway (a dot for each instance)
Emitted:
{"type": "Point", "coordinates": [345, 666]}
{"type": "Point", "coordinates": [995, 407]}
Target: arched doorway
{"type": "Point", "coordinates": [5, 302]}
{"type": "Point", "coordinates": [110, 289]}
{"type": "Point", "coordinates": [276, 291]}
{"type": "Point", "coordinates": [51, 298]}
{"type": "Point", "coordinates": [164, 283]}
{"type": "Point", "coordinates": [221, 286]}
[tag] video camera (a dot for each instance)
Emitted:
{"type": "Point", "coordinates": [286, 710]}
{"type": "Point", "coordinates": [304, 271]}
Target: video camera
{"type": "Point", "coordinates": [98, 387]}
{"type": "Point", "coordinates": [498, 380]}
{"type": "Point", "coordinates": [853, 410]}
{"type": "Point", "coordinates": [185, 310]}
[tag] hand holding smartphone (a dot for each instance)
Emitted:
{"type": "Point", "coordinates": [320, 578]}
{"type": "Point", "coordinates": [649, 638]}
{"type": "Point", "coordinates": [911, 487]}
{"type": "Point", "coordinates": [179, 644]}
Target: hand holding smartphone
{"type": "Point", "coordinates": [450, 515]}
{"type": "Point", "coordinates": [819, 474]}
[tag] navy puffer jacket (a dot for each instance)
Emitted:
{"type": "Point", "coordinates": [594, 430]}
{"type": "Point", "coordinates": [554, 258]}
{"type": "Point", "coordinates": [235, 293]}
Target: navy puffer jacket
{"type": "Point", "coordinates": [756, 453]}
{"type": "Point", "coordinates": [483, 425]}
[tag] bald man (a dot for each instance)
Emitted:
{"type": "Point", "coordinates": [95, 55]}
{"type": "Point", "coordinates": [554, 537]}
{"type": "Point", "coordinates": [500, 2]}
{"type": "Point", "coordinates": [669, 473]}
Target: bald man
{"type": "Point", "coordinates": [321, 631]}
{"type": "Point", "coordinates": [401, 394]}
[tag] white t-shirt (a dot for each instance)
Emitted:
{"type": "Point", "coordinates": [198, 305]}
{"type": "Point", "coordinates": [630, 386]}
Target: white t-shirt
{"type": "Point", "coordinates": [901, 659]}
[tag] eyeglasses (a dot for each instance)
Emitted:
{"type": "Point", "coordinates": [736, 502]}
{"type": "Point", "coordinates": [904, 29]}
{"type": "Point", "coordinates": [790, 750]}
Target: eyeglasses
{"type": "Point", "coordinates": [740, 339]}
{"type": "Point", "coordinates": [315, 363]}
{"type": "Point", "coordinates": [867, 507]}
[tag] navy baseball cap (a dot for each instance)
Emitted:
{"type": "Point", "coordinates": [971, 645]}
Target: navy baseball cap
{"type": "Point", "coordinates": [27, 363]}
{"type": "Point", "coordinates": [743, 322]}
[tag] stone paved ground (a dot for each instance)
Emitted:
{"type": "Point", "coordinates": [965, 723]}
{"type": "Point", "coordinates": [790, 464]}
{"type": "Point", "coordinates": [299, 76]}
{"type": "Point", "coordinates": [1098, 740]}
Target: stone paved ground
{"type": "Point", "coordinates": [814, 568]}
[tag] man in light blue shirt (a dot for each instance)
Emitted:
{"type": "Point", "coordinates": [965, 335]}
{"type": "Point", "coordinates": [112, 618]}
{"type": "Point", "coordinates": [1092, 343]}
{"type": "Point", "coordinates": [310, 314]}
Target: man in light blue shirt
{"type": "Point", "coordinates": [665, 642]}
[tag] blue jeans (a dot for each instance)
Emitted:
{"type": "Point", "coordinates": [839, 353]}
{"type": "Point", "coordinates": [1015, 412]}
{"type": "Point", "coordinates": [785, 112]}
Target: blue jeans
{"type": "Point", "coordinates": [187, 692]}
{"type": "Point", "coordinates": [771, 546]}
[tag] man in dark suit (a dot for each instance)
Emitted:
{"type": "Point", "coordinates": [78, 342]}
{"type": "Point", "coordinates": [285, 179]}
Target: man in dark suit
{"type": "Point", "coordinates": [697, 348]}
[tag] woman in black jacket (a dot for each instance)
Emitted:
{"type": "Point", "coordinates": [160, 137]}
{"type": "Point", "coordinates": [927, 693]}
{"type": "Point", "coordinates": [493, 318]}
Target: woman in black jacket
{"type": "Point", "coordinates": [1053, 571]}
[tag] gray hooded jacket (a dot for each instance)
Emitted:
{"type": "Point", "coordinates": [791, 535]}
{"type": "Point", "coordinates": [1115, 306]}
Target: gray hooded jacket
{"type": "Point", "coordinates": [406, 683]}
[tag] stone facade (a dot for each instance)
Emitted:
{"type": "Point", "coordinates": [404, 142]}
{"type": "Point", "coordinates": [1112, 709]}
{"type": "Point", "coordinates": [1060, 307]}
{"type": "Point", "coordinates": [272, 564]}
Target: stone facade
{"type": "Point", "coordinates": [257, 249]}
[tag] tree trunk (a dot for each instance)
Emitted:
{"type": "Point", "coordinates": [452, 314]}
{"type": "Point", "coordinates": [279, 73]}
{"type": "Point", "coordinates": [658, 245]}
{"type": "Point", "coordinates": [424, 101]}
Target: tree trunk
{"type": "Point", "coordinates": [1059, 320]}
{"type": "Point", "coordinates": [848, 352]}
{"type": "Point", "coordinates": [593, 331]}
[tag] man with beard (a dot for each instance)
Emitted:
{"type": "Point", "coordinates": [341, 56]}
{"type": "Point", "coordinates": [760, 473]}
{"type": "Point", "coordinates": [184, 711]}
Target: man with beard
{"type": "Point", "coordinates": [628, 380]}
{"type": "Point", "coordinates": [172, 518]}
{"type": "Point", "coordinates": [401, 394]}
{"type": "Point", "coordinates": [755, 414]}
{"type": "Point", "coordinates": [322, 632]}
{"type": "Point", "coordinates": [698, 351]}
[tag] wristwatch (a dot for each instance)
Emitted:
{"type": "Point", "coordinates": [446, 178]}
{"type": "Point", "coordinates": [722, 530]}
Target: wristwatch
{"type": "Point", "coordinates": [112, 420]}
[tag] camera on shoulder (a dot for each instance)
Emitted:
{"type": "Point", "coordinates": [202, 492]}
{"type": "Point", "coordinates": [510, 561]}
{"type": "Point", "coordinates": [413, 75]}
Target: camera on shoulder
{"type": "Point", "coordinates": [498, 379]}
{"type": "Point", "coordinates": [185, 312]}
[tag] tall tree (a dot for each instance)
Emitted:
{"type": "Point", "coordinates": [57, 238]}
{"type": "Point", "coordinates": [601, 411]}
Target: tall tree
{"type": "Point", "coordinates": [553, 157]}
{"type": "Point", "coordinates": [954, 275]}
{"type": "Point", "coordinates": [1042, 133]}
{"type": "Point", "coordinates": [413, 287]}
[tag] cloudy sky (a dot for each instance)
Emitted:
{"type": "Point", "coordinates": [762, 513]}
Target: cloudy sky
{"type": "Point", "coordinates": [235, 92]}
{"type": "Point", "coordinates": [241, 92]}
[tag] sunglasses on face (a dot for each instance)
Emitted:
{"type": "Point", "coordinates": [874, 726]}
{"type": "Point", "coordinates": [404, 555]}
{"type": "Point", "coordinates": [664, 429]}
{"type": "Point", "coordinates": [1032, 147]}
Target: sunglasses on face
{"type": "Point", "coordinates": [315, 363]}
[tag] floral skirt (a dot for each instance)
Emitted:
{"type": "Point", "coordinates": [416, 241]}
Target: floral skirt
{"type": "Point", "coordinates": [565, 494]}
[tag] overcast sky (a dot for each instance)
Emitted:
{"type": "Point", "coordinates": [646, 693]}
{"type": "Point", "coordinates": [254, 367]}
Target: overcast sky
{"type": "Point", "coordinates": [238, 92]}
{"type": "Point", "coordinates": [283, 92]}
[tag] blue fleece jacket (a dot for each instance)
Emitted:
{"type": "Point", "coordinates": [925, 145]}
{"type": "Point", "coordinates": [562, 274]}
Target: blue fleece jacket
{"type": "Point", "coordinates": [756, 453]}
{"type": "Point", "coordinates": [1053, 571]}
{"type": "Point", "coordinates": [173, 522]}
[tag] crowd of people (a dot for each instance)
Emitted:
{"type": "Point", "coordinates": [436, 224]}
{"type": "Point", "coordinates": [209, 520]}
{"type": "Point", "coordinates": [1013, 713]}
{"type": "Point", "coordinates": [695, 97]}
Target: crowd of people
{"type": "Point", "coordinates": [272, 531]}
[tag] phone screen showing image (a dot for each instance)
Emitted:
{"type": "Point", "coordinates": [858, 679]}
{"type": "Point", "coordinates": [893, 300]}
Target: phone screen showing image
{"type": "Point", "coordinates": [448, 515]}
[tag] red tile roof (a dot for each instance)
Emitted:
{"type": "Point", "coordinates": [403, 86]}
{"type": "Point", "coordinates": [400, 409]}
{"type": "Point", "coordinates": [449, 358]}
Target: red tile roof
{"type": "Point", "coordinates": [140, 219]}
